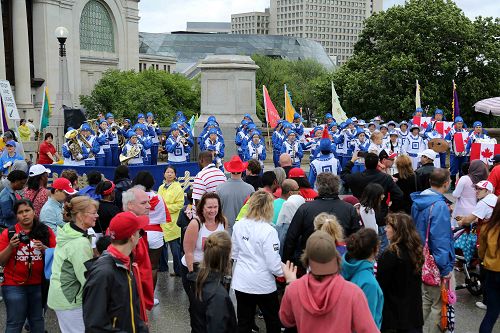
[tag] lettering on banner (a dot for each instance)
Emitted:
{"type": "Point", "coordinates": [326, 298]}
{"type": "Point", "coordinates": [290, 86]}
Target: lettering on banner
{"type": "Point", "coordinates": [8, 100]}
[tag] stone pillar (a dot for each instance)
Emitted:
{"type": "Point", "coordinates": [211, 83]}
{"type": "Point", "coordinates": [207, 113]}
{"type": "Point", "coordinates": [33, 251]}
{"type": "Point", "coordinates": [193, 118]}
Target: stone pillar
{"type": "Point", "coordinates": [227, 92]}
{"type": "Point", "coordinates": [3, 74]}
{"type": "Point", "coordinates": [21, 54]}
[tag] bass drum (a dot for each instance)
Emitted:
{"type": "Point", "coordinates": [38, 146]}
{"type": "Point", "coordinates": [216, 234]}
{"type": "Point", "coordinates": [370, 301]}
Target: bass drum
{"type": "Point", "coordinates": [438, 145]}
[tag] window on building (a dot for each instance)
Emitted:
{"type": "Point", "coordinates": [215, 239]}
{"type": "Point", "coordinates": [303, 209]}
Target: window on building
{"type": "Point", "coordinates": [96, 28]}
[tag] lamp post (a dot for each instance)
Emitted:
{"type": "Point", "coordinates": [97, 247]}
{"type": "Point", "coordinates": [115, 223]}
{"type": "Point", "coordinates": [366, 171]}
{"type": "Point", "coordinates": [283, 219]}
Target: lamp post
{"type": "Point", "coordinates": [63, 96]}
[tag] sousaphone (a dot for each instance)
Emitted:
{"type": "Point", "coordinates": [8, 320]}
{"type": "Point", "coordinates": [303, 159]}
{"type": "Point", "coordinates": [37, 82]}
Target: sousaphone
{"type": "Point", "coordinates": [438, 145]}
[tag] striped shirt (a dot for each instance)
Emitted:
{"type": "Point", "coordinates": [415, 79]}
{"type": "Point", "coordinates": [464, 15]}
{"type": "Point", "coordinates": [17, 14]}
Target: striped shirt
{"type": "Point", "coordinates": [207, 180]}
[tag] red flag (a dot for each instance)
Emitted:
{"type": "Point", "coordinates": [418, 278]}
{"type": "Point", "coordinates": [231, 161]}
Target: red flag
{"type": "Point", "coordinates": [484, 151]}
{"type": "Point", "coordinates": [460, 140]}
{"type": "Point", "coordinates": [272, 115]}
{"type": "Point", "coordinates": [423, 122]}
{"type": "Point", "coordinates": [443, 127]}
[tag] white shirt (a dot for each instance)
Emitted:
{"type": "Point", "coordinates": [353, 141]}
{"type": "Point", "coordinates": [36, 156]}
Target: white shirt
{"type": "Point", "coordinates": [203, 234]}
{"type": "Point", "coordinates": [484, 207]}
{"type": "Point", "coordinates": [289, 208]}
{"type": "Point", "coordinates": [466, 198]}
{"type": "Point", "coordinates": [256, 251]}
{"type": "Point", "coordinates": [368, 219]}
{"type": "Point", "coordinates": [207, 180]}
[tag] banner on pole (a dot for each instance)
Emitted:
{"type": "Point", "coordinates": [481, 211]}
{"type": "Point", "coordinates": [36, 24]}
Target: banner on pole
{"type": "Point", "coordinates": [9, 102]}
{"type": "Point", "coordinates": [272, 115]}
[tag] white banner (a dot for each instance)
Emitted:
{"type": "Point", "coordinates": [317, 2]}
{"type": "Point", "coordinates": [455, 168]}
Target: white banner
{"type": "Point", "coordinates": [8, 100]}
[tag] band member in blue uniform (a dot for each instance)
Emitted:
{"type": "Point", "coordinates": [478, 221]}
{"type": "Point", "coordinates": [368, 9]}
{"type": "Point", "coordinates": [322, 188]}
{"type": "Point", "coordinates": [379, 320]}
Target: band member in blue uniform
{"type": "Point", "coordinates": [73, 150]}
{"type": "Point", "coordinates": [215, 145]}
{"type": "Point", "coordinates": [142, 132]}
{"type": "Point", "coordinates": [104, 139]}
{"type": "Point", "coordinates": [255, 149]}
{"type": "Point", "coordinates": [297, 126]}
{"type": "Point", "coordinates": [91, 143]}
{"type": "Point", "coordinates": [241, 136]}
{"type": "Point", "coordinates": [277, 140]}
{"type": "Point", "coordinates": [154, 133]}
{"type": "Point", "coordinates": [413, 145]}
{"type": "Point", "coordinates": [313, 145]}
{"type": "Point", "coordinates": [134, 150]}
{"type": "Point", "coordinates": [329, 119]}
{"type": "Point", "coordinates": [430, 134]}
{"type": "Point", "coordinates": [476, 134]}
{"type": "Point", "coordinates": [360, 143]}
{"type": "Point", "coordinates": [177, 146]}
{"type": "Point", "coordinates": [113, 140]}
{"type": "Point", "coordinates": [325, 162]}
{"type": "Point", "coordinates": [457, 159]}
{"type": "Point", "coordinates": [292, 147]}
{"type": "Point", "coordinates": [403, 131]}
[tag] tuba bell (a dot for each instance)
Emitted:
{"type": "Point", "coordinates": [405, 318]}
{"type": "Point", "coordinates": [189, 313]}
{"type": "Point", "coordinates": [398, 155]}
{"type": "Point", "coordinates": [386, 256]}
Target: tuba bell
{"type": "Point", "coordinates": [132, 153]}
{"type": "Point", "coordinates": [74, 146]}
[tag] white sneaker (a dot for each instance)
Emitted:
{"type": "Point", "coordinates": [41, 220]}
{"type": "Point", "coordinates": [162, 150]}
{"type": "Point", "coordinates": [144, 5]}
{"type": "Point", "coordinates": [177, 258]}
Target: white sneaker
{"type": "Point", "coordinates": [481, 305]}
{"type": "Point", "coordinates": [157, 301]}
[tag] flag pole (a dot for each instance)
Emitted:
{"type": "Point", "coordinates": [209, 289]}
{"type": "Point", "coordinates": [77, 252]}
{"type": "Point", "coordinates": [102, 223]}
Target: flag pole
{"type": "Point", "coordinates": [268, 143]}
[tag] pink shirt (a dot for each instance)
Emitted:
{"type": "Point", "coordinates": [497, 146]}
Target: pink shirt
{"type": "Point", "coordinates": [333, 305]}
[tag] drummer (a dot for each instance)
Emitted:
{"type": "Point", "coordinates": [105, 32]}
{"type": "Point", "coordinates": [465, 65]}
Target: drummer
{"type": "Point", "coordinates": [430, 135]}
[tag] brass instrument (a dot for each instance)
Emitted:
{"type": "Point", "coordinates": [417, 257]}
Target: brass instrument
{"type": "Point", "coordinates": [183, 141]}
{"type": "Point", "coordinates": [293, 152]}
{"type": "Point", "coordinates": [74, 146]}
{"type": "Point", "coordinates": [85, 142]}
{"type": "Point", "coordinates": [154, 125]}
{"type": "Point", "coordinates": [132, 153]}
{"type": "Point", "coordinates": [93, 124]}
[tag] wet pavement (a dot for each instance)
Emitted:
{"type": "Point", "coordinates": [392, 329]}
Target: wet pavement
{"type": "Point", "coordinates": [171, 314]}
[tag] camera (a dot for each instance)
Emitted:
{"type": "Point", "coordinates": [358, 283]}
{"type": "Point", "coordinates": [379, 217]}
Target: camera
{"type": "Point", "coordinates": [23, 237]}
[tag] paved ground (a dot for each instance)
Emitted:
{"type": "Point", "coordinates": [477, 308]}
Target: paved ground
{"type": "Point", "coordinates": [171, 314]}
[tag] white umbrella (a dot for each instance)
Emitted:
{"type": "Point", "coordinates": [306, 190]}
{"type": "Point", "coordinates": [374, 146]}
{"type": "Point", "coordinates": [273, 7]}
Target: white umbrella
{"type": "Point", "coordinates": [489, 106]}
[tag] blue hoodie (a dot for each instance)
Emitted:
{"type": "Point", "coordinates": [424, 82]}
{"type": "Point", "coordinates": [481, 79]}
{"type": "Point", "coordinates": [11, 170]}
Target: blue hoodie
{"type": "Point", "coordinates": [440, 234]}
{"type": "Point", "coordinates": [360, 272]}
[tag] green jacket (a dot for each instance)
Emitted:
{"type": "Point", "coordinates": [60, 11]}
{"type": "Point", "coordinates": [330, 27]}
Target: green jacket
{"type": "Point", "coordinates": [73, 249]}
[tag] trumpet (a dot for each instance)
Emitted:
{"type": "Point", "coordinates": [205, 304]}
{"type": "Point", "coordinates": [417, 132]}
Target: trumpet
{"type": "Point", "coordinates": [183, 141]}
{"type": "Point", "coordinates": [115, 128]}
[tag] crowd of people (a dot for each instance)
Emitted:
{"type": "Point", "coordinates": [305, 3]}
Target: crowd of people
{"type": "Point", "coordinates": [281, 244]}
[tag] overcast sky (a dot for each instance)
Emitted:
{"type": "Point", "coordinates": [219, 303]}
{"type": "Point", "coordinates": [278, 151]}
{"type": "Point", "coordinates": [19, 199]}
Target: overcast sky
{"type": "Point", "coordinates": [172, 15]}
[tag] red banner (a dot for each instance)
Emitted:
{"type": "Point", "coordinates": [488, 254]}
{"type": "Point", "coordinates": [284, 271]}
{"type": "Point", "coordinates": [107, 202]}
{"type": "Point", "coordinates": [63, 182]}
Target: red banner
{"type": "Point", "coordinates": [272, 115]}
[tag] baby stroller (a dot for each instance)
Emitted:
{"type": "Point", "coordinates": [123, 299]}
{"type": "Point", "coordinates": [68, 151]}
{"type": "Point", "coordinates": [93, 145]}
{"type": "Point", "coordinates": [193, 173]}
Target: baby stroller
{"type": "Point", "coordinates": [467, 260]}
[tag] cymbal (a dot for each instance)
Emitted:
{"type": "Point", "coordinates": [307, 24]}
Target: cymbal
{"type": "Point", "coordinates": [438, 145]}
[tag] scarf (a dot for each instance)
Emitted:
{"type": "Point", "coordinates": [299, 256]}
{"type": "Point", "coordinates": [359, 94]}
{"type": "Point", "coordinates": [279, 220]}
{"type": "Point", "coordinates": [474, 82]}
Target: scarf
{"type": "Point", "coordinates": [120, 256]}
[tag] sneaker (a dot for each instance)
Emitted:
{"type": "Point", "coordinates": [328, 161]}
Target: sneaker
{"type": "Point", "coordinates": [156, 302]}
{"type": "Point", "coordinates": [481, 305]}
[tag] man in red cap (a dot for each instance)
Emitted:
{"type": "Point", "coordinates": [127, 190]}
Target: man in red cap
{"type": "Point", "coordinates": [111, 297]}
{"type": "Point", "coordinates": [234, 191]}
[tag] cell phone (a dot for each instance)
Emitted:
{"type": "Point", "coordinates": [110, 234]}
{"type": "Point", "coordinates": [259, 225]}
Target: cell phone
{"type": "Point", "coordinates": [11, 234]}
{"type": "Point", "coordinates": [362, 154]}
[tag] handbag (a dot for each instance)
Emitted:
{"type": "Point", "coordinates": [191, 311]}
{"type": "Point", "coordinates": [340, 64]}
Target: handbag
{"type": "Point", "coordinates": [430, 271]}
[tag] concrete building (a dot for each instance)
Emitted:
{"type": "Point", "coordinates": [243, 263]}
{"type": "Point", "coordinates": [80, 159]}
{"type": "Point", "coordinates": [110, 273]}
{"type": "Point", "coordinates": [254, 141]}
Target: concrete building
{"type": "Point", "coordinates": [335, 24]}
{"type": "Point", "coordinates": [209, 27]}
{"type": "Point", "coordinates": [253, 23]}
{"type": "Point", "coordinates": [102, 34]}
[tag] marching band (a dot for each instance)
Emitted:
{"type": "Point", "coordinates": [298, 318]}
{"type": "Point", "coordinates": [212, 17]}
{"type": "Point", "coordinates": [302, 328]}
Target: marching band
{"type": "Point", "coordinates": [104, 142]}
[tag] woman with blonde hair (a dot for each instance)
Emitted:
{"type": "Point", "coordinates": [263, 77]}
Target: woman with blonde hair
{"type": "Point", "coordinates": [212, 308]}
{"type": "Point", "coordinates": [329, 224]}
{"type": "Point", "coordinates": [257, 262]}
{"type": "Point", "coordinates": [73, 249]}
{"type": "Point", "coordinates": [406, 180]}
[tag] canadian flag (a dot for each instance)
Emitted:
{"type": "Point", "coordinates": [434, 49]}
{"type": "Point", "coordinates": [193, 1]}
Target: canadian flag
{"type": "Point", "coordinates": [443, 127]}
{"type": "Point", "coordinates": [423, 122]}
{"type": "Point", "coordinates": [460, 141]}
{"type": "Point", "coordinates": [484, 151]}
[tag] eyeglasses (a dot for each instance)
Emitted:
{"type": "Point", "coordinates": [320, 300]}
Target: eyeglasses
{"type": "Point", "coordinates": [93, 214]}
{"type": "Point", "coordinates": [296, 190]}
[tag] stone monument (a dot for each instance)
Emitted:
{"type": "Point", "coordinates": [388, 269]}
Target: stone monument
{"type": "Point", "coordinates": [227, 92]}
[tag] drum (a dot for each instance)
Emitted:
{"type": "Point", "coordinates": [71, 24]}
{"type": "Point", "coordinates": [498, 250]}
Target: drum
{"type": "Point", "coordinates": [438, 145]}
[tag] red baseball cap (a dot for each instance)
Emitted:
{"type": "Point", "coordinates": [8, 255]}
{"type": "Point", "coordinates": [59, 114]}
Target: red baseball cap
{"type": "Point", "coordinates": [63, 184]}
{"type": "Point", "coordinates": [296, 173]}
{"type": "Point", "coordinates": [125, 224]}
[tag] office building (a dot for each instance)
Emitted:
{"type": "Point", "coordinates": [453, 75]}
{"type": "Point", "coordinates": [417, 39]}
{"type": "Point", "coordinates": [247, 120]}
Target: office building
{"type": "Point", "coordinates": [253, 23]}
{"type": "Point", "coordinates": [209, 27]}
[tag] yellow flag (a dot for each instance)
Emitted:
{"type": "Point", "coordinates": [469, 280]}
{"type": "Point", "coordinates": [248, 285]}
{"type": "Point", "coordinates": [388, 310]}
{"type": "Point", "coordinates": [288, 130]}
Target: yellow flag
{"type": "Point", "coordinates": [289, 109]}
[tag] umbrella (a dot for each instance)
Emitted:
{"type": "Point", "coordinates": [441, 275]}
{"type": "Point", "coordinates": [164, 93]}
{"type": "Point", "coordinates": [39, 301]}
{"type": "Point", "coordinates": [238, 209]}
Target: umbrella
{"type": "Point", "coordinates": [489, 106]}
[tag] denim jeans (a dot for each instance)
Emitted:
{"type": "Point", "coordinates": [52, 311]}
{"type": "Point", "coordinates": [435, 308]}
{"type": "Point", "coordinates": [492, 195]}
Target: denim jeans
{"type": "Point", "coordinates": [384, 242]}
{"type": "Point", "coordinates": [492, 290]}
{"type": "Point", "coordinates": [21, 303]}
{"type": "Point", "coordinates": [282, 230]}
{"type": "Point", "coordinates": [175, 249]}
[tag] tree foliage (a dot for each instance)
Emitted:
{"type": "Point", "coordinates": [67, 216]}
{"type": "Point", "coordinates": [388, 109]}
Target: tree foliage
{"type": "Point", "coordinates": [127, 93]}
{"type": "Point", "coordinates": [427, 40]}
{"type": "Point", "coordinates": [304, 80]}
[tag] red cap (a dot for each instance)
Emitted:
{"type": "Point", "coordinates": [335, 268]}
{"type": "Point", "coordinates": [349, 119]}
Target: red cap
{"type": "Point", "coordinates": [125, 224]}
{"type": "Point", "coordinates": [63, 184]}
{"type": "Point", "coordinates": [326, 133]}
{"type": "Point", "coordinates": [296, 173]}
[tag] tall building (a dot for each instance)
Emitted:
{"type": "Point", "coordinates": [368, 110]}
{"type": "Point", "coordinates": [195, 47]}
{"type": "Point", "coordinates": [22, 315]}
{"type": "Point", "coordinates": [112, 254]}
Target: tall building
{"type": "Point", "coordinates": [253, 23]}
{"type": "Point", "coordinates": [335, 24]}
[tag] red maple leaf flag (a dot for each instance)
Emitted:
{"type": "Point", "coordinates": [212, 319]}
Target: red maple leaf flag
{"type": "Point", "coordinates": [484, 151]}
{"type": "Point", "coordinates": [423, 122]}
{"type": "Point", "coordinates": [443, 127]}
{"type": "Point", "coordinates": [460, 140]}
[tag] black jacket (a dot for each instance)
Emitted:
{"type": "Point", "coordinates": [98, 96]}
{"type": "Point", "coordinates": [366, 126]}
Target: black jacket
{"type": "Point", "coordinates": [121, 186]}
{"type": "Point", "coordinates": [408, 186]}
{"type": "Point", "coordinates": [302, 224]}
{"type": "Point", "coordinates": [107, 210]}
{"type": "Point", "coordinates": [401, 286]}
{"type": "Point", "coordinates": [110, 298]}
{"type": "Point", "coordinates": [423, 173]}
{"type": "Point", "coordinates": [215, 312]}
{"type": "Point", "coordinates": [358, 181]}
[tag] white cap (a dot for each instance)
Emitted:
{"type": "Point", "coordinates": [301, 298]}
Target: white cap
{"type": "Point", "coordinates": [486, 185]}
{"type": "Point", "coordinates": [38, 169]}
{"type": "Point", "coordinates": [428, 153]}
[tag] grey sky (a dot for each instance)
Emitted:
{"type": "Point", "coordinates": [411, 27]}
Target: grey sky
{"type": "Point", "coordinates": [171, 15]}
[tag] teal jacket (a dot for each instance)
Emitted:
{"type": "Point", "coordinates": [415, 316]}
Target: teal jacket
{"type": "Point", "coordinates": [360, 272]}
{"type": "Point", "coordinates": [73, 249]}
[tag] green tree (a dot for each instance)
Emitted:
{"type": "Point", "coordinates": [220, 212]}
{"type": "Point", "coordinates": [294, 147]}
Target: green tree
{"type": "Point", "coordinates": [127, 93]}
{"type": "Point", "coordinates": [301, 78]}
{"type": "Point", "coordinates": [429, 40]}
